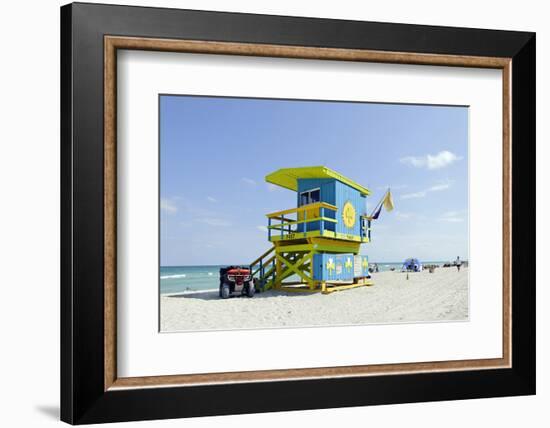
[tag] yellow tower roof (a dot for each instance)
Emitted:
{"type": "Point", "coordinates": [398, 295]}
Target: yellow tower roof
{"type": "Point", "coordinates": [288, 177]}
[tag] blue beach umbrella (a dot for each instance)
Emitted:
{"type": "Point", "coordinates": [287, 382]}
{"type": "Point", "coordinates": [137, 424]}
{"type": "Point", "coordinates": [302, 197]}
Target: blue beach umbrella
{"type": "Point", "coordinates": [412, 264]}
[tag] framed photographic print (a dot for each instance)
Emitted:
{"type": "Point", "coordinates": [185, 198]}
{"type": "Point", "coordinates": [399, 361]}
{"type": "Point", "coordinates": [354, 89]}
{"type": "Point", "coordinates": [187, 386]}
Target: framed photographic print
{"type": "Point", "coordinates": [309, 213]}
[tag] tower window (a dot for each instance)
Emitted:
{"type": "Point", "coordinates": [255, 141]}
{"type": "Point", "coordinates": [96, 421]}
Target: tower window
{"type": "Point", "coordinates": [310, 197]}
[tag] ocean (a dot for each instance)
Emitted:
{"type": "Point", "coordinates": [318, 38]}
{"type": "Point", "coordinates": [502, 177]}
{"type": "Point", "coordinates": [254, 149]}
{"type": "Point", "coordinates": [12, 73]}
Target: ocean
{"type": "Point", "coordinates": [177, 279]}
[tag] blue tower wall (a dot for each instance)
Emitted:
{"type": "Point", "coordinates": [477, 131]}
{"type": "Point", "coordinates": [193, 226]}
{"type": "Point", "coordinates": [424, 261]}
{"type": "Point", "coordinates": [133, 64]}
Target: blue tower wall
{"type": "Point", "coordinates": [336, 193]}
{"type": "Point", "coordinates": [360, 269]}
{"type": "Point", "coordinates": [326, 185]}
{"type": "Point", "coordinates": [339, 271]}
{"type": "Point", "coordinates": [344, 193]}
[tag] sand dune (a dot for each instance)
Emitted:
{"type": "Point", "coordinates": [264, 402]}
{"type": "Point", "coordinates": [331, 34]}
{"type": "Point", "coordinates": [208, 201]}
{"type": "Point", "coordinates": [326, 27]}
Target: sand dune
{"type": "Point", "coordinates": [424, 297]}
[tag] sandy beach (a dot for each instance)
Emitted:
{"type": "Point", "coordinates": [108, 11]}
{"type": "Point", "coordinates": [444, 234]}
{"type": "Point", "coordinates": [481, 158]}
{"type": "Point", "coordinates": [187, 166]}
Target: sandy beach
{"type": "Point", "coordinates": [424, 297]}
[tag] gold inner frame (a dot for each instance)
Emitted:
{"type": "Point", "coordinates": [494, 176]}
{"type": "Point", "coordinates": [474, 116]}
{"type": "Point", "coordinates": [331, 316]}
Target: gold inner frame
{"type": "Point", "coordinates": [113, 43]}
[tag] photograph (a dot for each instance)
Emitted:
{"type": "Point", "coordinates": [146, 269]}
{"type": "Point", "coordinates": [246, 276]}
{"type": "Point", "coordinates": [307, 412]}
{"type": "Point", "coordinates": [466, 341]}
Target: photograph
{"type": "Point", "coordinates": [293, 213]}
{"type": "Point", "coordinates": [344, 199]}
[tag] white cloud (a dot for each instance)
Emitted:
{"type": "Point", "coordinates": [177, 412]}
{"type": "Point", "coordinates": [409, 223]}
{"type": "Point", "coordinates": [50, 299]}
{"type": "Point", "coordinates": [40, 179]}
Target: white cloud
{"type": "Point", "coordinates": [414, 195]}
{"type": "Point", "coordinates": [439, 187]}
{"type": "Point", "coordinates": [272, 187]}
{"type": "Point", "coordinates": [423, 193]}
{"type": "Point", "coordinates": [168, 206]}
{"type": "Point", "coordinates": [211, 199]}
{"type": "Point", "coordinates": [262, 228]}
{"type": "Point", "coordinates": [216, 222]}
{"type": "Point", "coordinates": [194, 209]}
{"type": "Point", "coordinates": [397, 187]}
{"type": "Point", "coordinates": [403, 216]}
{"type": "Point", "coordinates": [248, 181]}
{"type": "Point", "coordinates": [438, 161]}
{"type": "Point", "coordinates": [452, 217]}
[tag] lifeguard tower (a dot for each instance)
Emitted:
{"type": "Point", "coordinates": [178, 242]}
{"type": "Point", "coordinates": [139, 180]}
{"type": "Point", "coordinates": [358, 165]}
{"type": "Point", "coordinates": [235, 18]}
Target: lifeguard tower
{"type": "Point", "coordinates": [316, 245]}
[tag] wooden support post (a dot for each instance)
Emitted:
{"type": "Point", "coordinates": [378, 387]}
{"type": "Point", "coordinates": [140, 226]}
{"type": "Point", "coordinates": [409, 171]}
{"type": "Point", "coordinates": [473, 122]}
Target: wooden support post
{"type": "Point", "coordinates": [293, 264]}
{"type": "Point", "coordinates": [278, 271]}
{"type": "Point", "coordinates": [262, 273]}
{"type": "Point", "coordinates": [311, 254]}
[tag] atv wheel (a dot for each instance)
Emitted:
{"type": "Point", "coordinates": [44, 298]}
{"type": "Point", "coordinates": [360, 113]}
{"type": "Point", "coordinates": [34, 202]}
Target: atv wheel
{"type": "Point", "coordinates": [225, 292]}
{"type": "Point", "coordinates": [250, 290]}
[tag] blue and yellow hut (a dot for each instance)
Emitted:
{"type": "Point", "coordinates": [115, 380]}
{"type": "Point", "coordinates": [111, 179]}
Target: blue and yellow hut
{"type": "Point", "coordinates": [318, 241]}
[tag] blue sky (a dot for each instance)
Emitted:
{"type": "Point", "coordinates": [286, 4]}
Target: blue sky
{"type": "Point", "coordinates": [216, 152]}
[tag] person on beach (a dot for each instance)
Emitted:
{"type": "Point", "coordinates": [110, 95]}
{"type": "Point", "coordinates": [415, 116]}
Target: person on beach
{"type": "Point", "coordinates": [458, 263]}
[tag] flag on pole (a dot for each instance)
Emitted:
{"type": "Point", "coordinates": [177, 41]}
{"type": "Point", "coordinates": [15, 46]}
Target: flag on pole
{"type": "Point", "coordinates": [388, 201]}
{"type": "Point", "coordinates": [376, 213]}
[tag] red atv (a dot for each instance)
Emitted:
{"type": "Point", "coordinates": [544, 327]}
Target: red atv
{"type": "Point", "coordinates": [236, 279]}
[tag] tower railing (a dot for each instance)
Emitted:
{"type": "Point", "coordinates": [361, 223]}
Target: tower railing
{"type": "Point", "coordinates": [263, 269]}
{"type": "Point", "coordinates": [283, 224]}
{"type": "Point", "coordinates": [365, 227]}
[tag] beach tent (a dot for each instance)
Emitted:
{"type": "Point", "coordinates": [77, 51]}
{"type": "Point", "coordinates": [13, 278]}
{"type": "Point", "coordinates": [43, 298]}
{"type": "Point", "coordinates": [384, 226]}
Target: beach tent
{"type": "Point", "coordinates": [412, 264]}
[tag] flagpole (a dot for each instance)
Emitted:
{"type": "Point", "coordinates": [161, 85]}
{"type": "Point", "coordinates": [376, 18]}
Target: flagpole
{"type": "Point", "coordinates": [379, 203]}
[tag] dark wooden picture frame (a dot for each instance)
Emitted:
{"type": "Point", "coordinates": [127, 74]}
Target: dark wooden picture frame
{"type": "Point", "coordinates": [90, 389]}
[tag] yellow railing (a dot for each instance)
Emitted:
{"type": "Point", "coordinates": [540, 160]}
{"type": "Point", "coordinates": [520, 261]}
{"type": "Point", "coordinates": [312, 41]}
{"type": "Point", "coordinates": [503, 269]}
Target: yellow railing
{"type": "Point", "coordinates": [263, 270]}
{"type": "Point", "coordinates": [262, 256]}
{"type": "Point", "coordinates": [302, 208]}
{"type": "Point", "coordinates": [285, 225]}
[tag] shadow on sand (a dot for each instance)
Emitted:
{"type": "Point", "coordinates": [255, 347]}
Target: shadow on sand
{"type": "Point", "coordinates": [213, 295]}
